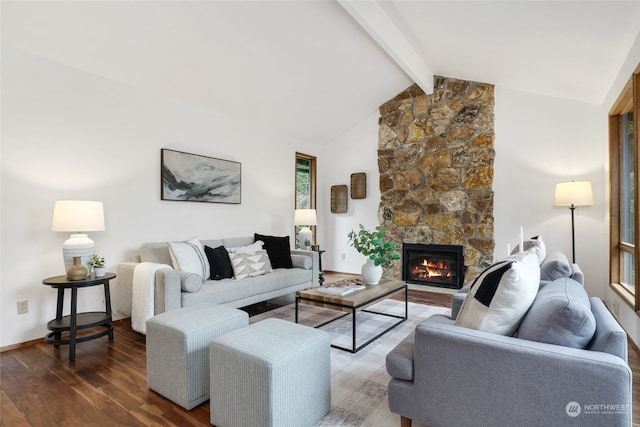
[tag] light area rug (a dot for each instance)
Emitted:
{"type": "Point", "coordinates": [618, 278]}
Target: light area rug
{"type": "Point", "coordinates": [359, 381]}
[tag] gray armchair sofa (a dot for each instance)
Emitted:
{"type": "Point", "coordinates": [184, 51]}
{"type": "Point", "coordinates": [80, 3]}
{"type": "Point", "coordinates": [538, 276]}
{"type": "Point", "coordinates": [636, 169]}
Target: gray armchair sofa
{"type": "Point", "coordinates": [447, 376]}
{"type": "Point", "coordinates": [171, 292]}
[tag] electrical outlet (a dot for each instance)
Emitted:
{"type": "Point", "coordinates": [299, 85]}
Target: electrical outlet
{"type": "Point", "coordinates": [344, 256]}
{"type": "Point", "coordinates": [23, 306]}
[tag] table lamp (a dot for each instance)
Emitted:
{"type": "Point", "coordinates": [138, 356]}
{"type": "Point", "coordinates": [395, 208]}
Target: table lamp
{"type": "Point", "coordinates": [77, 216]}
{"type": "Point", "coordinates": [573, 194]}
{"type": "Point", "coordinates": [306, 218]}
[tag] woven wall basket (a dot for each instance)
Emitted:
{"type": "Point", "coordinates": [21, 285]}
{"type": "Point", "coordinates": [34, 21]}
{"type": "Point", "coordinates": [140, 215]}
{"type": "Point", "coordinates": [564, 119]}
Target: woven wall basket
{"type": "Point", "coordinates": [339, 198]}
{"type": "Point", "coordinates": [359, 185]}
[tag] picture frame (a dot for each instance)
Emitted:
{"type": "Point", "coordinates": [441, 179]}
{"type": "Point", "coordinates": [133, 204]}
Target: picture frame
{"type": "Point", "coordinates": [196, 178]}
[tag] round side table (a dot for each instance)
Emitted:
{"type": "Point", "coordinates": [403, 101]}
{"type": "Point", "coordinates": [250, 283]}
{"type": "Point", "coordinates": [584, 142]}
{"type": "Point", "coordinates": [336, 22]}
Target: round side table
{"type": "Point", "coordinates": [76, 321]}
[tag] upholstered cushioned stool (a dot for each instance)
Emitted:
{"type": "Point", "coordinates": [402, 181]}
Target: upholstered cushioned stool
{"type": "Point", "coordinates": [273, 373]}
{"type": "Point", "coordinates": [178, 350]}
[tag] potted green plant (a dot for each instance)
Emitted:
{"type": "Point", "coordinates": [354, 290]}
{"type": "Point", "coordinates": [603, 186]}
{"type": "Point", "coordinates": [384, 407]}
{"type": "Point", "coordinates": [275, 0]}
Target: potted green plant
{"type": "Point", "coordinates": [97, 262]}
{"type": "Point", "coordinates": [379, 253]}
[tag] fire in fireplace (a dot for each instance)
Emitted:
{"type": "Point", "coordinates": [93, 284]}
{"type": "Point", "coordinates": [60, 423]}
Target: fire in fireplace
{"type": "Point", "coordinates": [435, 265]}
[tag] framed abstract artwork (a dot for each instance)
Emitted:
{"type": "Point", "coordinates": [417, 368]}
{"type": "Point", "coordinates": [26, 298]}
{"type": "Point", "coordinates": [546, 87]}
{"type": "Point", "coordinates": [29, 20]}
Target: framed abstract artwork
{"type": "Point", "coordinates": [195, 178]}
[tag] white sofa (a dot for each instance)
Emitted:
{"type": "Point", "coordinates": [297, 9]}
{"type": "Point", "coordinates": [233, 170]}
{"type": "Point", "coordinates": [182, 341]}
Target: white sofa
{"type": "Point", "coordinates": [169, 282]}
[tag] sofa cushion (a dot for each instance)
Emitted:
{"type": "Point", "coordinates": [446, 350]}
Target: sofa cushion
{"type": "Point", "coordinates": [250, 264]}
{"type": "Point", "coordinates": [219, 264]}
{"type": "Point", "coordinates": [501, 295]}
{"type": "Point", "coordinates": [247, 249]}
{"type": "Point", "coordinates": [278, 249]}
{"type": "Point", "coordinates": [560, 314]}
{"type": "Point", "coordinates": [555, 266]}
{"type": "Point", "coordinates": [189, 256]}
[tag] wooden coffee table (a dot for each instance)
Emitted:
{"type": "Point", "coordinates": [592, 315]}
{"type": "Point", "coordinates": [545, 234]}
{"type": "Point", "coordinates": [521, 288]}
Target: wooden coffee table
{"type": "Point", "coordinates": [355, 303]}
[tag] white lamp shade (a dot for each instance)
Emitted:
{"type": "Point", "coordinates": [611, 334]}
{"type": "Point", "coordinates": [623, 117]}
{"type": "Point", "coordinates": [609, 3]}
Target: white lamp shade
{"type": "Point", "coordinates": [576, 193]}
{"type": "Point", "coordinates": [305, 217]}
{"type": "Point", "coordinates": [77, 215]}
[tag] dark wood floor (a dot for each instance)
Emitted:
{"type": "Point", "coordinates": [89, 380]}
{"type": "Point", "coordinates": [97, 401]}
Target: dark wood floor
{"type": "Point", "coordinates": [107, 386]}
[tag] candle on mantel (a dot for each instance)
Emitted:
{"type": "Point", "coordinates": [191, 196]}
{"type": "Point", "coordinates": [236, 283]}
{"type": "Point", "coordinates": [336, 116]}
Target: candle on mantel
{"type": "Point", "coordinates": [521, 239]}
{"type": "Point", "coordinates": [508, 249]}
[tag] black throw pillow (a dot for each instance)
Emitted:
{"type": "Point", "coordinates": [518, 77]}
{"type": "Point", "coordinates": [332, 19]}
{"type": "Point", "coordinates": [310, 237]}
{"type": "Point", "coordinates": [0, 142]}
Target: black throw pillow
{"type": "Point", "coordinates": [219, 262]}
{"type": "Point", "coordinates": [278, 250]}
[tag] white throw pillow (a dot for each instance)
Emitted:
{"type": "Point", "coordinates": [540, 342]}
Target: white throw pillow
{"type": "Point", "coordinates": [501, 295]}
{"type": "Point", "coordinates": [249, 249]}
{"type": "Point", "coordinates": [534, 243]}
{"type": "Point", "coordinates": [189, 256]}
{"type": "Point", "coordinates": [249, 265]}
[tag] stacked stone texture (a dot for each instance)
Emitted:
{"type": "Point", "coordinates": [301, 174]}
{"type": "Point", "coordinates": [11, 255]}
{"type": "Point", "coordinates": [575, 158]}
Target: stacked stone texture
{"type": "Point", "coordinates": [435, 156]}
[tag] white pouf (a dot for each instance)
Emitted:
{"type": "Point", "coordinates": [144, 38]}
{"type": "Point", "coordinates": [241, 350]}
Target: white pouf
{"type": "Point", "coordinates": [273, 373]}
{"type": "Point", "coordinates": [178, 350]}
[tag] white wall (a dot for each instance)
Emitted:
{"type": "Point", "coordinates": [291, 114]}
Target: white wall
{"type": "Point", "coordinates": [539, 141]}
{"type": "Point", "coordinates": [67, 134]}
{"type": "Point", "coordinates": [354, 151]}
{"type": "Point", "coordinates": [626, 315]}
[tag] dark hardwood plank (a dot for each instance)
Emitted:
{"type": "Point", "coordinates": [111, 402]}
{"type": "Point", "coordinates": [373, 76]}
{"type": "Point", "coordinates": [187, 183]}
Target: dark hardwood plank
{"type": "Point", "coordinates": [107, 385]}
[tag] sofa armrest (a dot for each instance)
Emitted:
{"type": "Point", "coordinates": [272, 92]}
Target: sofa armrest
{"type": "Point", "coordinates": [167, 290]}
{"type": "Point", "coordinates": [494, 372]}
{"type": "Point", "coordinates": [315, 266]}
{"type": "Point", "coordinates": [124, 288]}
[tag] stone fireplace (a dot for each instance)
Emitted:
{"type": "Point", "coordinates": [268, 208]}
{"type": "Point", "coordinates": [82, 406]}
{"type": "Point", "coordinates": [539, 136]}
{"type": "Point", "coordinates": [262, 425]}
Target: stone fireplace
{"type": "Point", "coordinates": [435, 157]}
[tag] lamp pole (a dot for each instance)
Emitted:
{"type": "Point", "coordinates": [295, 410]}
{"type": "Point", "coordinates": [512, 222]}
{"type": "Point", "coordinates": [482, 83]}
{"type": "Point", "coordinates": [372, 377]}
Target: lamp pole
{"type": "Point", "coordinates": [573, 234]}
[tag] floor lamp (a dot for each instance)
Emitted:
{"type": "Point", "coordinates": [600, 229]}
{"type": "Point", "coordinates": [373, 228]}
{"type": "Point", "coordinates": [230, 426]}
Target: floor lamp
{"type": "Point", "coordinates": [573, 194]}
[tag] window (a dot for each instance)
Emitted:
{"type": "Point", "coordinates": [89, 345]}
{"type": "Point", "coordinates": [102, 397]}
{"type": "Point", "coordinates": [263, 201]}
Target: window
{"type": "Point", "coordinates": [623, 159]}
{"type": "Point", "coordinates": [305, 185]}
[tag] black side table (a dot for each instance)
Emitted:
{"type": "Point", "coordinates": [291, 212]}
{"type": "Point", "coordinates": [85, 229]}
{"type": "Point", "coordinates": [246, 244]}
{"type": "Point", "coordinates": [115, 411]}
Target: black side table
{"type": "Point", "coordinates": [321, 274]}
{"type": "Point", "coordinates": [76, 321]}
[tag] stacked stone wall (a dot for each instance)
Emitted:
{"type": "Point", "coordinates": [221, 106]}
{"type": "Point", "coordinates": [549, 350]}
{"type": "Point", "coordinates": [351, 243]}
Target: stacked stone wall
{"type": "Point", "coordinates": [435, 156]}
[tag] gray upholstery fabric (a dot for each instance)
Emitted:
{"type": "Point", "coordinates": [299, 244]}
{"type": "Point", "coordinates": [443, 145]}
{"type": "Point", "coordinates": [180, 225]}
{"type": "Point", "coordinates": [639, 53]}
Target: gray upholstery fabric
{"type": "Point", "coordinates": [465, 377]}
{"type": "Point", "coordinates": [227, 291]}
{"type": "Point", "coordinates": [399, 362]}
{"type": "Point", "coordinates": [172, 290]}
{"type": "Point", "coordinates": [555, 266]}
{"type": "Point", "coordinates": [457, 299]}
{"type": "Point", "coordinates": [178, 350]}
{"type": "Point", "coordinates": [273, 373]}
{"type": "Point", "coordinates": [577, 274]}
{"type": "Point", "coordinates": [190, 282]}
{"type": "Point", "coordinates": [301, 261]}
{"type": "Point", "coordinates": [609, 336]}
{"type": "Point", "coordinates": [157, 252]}
{"type": "Point", "coordinates": [560, 314]}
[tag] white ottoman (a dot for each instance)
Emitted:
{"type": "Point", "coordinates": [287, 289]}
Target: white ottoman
{"type": "Point", "coordinates": [273, 373]}
{"type": "Point", "coordinates": [178, 350]}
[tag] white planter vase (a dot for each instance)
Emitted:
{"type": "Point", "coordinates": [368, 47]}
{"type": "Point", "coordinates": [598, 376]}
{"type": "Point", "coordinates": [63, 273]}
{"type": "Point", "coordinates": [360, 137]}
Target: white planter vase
{"type": "Point", "coordinates": [371, 273]}
{"type": "Point", "coordinates": [99, 271]}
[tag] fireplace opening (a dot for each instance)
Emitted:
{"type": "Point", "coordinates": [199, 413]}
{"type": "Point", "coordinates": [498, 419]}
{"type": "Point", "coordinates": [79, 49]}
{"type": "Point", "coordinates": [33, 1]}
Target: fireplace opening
{"type": "Point", "coordinates": [434, 265]}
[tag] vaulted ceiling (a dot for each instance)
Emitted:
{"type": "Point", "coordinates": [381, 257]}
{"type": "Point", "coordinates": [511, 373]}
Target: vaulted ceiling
{"type": "Point", "coordinates": [313, 69]}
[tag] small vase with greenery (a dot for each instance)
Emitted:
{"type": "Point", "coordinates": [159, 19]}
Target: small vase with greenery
{"type": "Point", "coordinates": [380, 254]}
{"type": "Point", "coordinates": [97, 262]}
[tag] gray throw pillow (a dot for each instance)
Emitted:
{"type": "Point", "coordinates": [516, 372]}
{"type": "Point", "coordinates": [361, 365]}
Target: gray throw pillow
{"type": "Point", "coordinates": [560, 314]}
{"type": "Point", "coordinates": [555, 266]}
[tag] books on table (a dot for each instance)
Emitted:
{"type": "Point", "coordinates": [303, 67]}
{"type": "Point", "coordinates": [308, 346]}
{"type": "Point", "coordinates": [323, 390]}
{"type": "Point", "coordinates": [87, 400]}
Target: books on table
{"type": "Point", "coordinates": [340, 290]}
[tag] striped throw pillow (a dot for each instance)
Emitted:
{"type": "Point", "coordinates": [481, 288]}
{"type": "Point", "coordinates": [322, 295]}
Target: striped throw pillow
{"type": "Point", "coordinates": [501, 295]}
{"type": "Point", "coordinates": [189, 256]}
